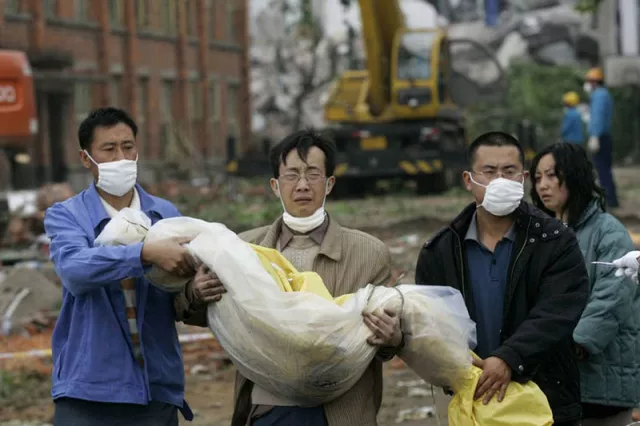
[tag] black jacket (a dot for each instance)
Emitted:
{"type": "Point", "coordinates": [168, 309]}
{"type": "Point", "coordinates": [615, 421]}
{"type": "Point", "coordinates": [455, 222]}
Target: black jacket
{"type": "Point", "coordinates": [547, 291]}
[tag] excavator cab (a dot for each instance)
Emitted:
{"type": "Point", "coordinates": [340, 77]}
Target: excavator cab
{"type": "Point", "coordinates": [419, 73]}
{"type": "Point", "coordinates": [18, 113]}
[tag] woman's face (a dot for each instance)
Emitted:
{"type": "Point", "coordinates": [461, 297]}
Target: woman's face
{"type": "Point", "coordinates": [553, 195]}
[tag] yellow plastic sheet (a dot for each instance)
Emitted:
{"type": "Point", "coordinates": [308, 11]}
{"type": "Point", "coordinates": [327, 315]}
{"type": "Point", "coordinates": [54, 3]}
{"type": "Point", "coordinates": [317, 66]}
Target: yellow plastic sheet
{"type": "Point", "coordinates": [523, 405]}
{"type": "Point", "coordinates": [289, 279]}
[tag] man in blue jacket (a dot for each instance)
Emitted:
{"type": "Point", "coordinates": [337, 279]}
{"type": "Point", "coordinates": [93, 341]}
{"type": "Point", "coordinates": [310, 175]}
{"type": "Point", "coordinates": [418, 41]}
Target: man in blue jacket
{"type": "Point", "coordinates": [572, 131]}
{"type": "Point", "coordinates": [116, 356]}
{"type": "Point", "coordinates": [600, 143]}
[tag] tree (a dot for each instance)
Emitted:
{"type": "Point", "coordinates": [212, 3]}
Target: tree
{"type": "Point", "coordinates": [293, 62]}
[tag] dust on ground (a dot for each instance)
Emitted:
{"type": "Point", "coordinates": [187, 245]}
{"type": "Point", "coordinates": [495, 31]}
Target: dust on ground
{"type": "Point", "coordinates": [25, 399]}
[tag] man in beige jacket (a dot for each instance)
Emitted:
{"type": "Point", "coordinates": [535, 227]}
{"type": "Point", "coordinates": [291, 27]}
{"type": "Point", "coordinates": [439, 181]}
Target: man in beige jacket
{"type": "Point", "coordinates": [346, 259]}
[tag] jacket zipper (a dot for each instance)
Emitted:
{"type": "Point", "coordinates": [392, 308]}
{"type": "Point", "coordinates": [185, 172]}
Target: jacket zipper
{"type": "Point", "coordinates": [463, 282]}
{"type": "Point", "coordinates": [511, 292]}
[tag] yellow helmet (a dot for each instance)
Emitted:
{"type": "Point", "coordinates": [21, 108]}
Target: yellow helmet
{"type": "Point", "coordinates": [571, 99]}
{"type": "Point", "coordinates": [594, 74]}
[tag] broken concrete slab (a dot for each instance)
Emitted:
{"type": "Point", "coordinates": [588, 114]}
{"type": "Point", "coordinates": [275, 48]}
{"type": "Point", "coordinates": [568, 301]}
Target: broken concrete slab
{"type": "Point", "coordinates": [24, 294]}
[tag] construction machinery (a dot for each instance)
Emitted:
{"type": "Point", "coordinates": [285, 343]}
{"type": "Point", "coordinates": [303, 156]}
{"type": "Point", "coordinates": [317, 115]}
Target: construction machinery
{"type": "Point", "coordinates": [19, 123]}
{"type": "Point", "coordinates": [401, 116]}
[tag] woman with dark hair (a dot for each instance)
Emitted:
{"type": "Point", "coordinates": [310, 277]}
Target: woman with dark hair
{"type": "Point", "coordinates": [607, 337]}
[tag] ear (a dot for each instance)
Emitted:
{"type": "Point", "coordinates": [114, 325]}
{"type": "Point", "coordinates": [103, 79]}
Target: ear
{"type": "Point", "coordinates": [86, 162]}
{"type": "Point", "coordinates": [466, 178]}
{"type": "Point", "coordinates": [330, 184]}
{"type": "Point", "coordinates": [526, 174]}
{"type": "Point", "coordinates": [275, 187]}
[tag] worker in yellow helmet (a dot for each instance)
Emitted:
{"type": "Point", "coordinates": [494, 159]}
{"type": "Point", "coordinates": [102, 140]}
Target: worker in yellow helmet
{"type": "Point", "coordinates": [600, 143]}
{"type": "Point", "coordinates": [572, 130]}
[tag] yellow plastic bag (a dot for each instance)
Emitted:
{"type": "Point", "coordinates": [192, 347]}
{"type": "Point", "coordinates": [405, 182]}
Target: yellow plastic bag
{"type": "Point", "coordinates": [523, 405]}
{"type": "Point", "coordinates": [289, 279]}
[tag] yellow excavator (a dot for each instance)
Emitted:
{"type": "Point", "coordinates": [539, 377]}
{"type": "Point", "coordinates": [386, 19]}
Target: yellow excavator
{"type": "Point", "coordinates": [401, 117]}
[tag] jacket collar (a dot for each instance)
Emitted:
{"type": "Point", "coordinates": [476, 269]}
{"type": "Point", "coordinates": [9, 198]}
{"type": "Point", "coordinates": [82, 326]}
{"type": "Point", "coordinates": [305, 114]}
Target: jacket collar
{"type": "Point", "coordinates": [98, 214]}
{"type": "Point", "coordinates": [592, 209]}
{"type": "Point", "coordinates": [331, 244]}
{"type": "Point", "coordinates": [524, 215]}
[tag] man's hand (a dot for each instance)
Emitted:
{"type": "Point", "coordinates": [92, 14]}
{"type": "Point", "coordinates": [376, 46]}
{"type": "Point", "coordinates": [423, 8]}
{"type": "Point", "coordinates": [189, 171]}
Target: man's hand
{"type": "Point", "coordinates": [495, 378]}
{"type": "Point", "coordinates": [170, 255]}
{"type": "Point", "coordinates": [628, 265]}
{"type": "Point", "coordinates": [207, 287]}
{"type": "Point", "coordinates": [385, 326]}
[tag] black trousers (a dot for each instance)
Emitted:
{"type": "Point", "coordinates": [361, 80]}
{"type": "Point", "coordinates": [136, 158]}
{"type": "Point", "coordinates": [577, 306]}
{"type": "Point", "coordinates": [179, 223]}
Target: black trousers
{"type": "Point", "coordinates": [78, 412]}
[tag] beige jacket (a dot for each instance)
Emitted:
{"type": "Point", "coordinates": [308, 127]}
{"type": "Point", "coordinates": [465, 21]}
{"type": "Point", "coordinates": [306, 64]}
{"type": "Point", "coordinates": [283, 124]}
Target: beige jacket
{"type": "Point", "coordinates": [348, 260]}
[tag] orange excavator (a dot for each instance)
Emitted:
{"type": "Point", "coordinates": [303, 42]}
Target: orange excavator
{"type": "Point", "coordinates": [18, 112]}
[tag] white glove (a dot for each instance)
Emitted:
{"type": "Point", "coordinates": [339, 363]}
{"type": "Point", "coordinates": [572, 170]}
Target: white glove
{"type": "Point", "coordinates": [593, 145]}
{"type": "Point", "coordinates": [628, 265]}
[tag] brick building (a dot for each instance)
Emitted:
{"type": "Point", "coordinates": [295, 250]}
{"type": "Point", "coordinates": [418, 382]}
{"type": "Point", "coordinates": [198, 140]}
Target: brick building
{"type": "Point", "coordinates": [180, 67]}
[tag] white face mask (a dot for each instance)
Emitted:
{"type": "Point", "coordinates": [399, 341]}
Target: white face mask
{"type": "Point", "coordinates": [502, 196]}
{"type": "Point", "coordinates": [304, 224]}
{"type": "Point", "coordinates": [587, 87]}
{"type": "Point", "coordinates": [116, 177]}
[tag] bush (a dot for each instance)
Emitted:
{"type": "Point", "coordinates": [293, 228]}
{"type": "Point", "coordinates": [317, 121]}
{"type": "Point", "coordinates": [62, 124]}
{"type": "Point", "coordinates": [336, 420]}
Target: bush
{"type": "Point", "coordinates": [535, 94]}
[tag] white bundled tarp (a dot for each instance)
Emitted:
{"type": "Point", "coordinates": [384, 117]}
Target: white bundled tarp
{"type": "Point", "coordinates": [298, 345]}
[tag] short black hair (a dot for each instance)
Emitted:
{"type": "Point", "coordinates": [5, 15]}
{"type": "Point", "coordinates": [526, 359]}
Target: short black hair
{"type": "Point", "coordinates": [494, 138]}
{"type": "Point", "coordinates": [574, 170]}
{"type": "Point", "coordinates": [102, 117]}
{"type": "Point", "coordinates": [302, 141]}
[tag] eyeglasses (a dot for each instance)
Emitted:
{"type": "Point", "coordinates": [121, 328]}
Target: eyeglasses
{"type": "Point", "coordinates": [507, 174]}
{"type": "Point", "coordinates": [312, 177]}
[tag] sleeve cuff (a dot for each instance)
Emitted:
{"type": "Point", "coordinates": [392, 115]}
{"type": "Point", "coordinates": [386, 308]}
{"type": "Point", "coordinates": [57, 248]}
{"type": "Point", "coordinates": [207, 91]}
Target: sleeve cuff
{"type": "Point", "coordinates": [513, 360]}
{"type": "Point", "coordinates": [133, 257]}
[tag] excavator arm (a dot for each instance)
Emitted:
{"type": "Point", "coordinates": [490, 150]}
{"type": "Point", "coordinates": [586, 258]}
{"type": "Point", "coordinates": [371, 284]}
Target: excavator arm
{"type": "Point", "coordinates": [382, 20]}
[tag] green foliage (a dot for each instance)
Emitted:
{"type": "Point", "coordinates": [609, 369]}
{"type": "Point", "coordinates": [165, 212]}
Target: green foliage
{"type": "Point", "coordinates": [588, 6]}
{"type": "Point", "coordinates": [535, 94]}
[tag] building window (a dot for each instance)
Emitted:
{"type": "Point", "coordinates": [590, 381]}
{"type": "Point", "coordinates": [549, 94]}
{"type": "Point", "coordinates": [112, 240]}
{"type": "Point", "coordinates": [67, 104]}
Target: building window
{"type": "Point", "coordinates": [142, 14]}
{"type": "Point", "coordinates": [231, 12]}
{"type": "Point", "coordinates": [168, 17]}
{"type": "Point", "coordinates": [167, 135]}
{"type": "Point", "coordinates": [233, 91]}
{"type": "Point", "coordinates": [82, 100]}
{"type": "Point", "coordinates": [115, 88]}
{"type": "Point", "coordinates": [12, 7]}
{"type": "Point", "coordinates": [82, 10]}
{"type": "Point", "coordinates": [215, 103]}
{"type": "Point", "coordinates": [142, 89]}
{"type": "Point", "coordinates": [195, 108]}
{"type": "Point", "coordinates": [211, 22]}
{"type": "Point", "coordinates": [116, 13]}
{"type": "Point", "coordinates": [192, 18]}
{"type": "Point", "coordinates": [50, 8]}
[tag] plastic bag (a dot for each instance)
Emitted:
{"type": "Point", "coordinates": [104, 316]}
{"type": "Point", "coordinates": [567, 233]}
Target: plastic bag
{"type": "Point", "coordinates": [129, 226]}
{"type": "Point", "coordinates": [523, 405]}
{"type": "Point", "coordinates": [302, 345]}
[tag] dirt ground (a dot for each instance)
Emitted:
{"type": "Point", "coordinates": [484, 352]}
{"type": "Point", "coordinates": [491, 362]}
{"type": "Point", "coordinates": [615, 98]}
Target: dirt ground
{"type": "Point", "coordinates": [210, 381]}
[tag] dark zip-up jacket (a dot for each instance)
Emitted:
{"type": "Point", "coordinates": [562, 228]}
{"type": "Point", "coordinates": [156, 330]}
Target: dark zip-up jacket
{"type": "Point", "coordinates": [547, 291]}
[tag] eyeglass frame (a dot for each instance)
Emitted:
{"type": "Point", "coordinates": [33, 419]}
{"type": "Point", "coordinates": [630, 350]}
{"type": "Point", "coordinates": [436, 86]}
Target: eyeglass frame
{"type": "Point", "coordinates": [499, 173]}
{"type": "Point", "coordinates": [295, 177]}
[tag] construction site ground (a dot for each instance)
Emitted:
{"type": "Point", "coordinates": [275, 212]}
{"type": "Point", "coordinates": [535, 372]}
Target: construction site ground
{"type": "Point", "coordinates": [403, 222]}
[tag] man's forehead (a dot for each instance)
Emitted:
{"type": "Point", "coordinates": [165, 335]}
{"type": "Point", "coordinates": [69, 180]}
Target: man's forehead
{"type": "Point", "coordinates": [315, 159]}
{"type": "Point", "coordinates": [497, 155]}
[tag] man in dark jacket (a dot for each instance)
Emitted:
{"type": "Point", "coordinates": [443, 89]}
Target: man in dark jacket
{"type": "Point", "coordinates": [501, 252]}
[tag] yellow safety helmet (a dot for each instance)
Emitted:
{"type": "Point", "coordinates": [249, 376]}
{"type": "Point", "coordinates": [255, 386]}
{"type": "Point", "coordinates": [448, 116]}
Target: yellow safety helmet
{"type": "Point", "coordinates": [571, 99]}
{"type": "Point", "coordinates": [594, 74]}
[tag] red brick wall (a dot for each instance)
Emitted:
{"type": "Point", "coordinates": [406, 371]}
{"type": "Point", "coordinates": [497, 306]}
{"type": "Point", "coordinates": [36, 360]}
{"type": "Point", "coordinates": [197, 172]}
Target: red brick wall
{"type": "Point", "coordinates": [154, 56]}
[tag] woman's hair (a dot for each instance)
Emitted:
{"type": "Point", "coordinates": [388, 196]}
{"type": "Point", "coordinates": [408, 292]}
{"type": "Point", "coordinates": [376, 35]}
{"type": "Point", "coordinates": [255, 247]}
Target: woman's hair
{"type": "Point", "coordinates": [574, 170]}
